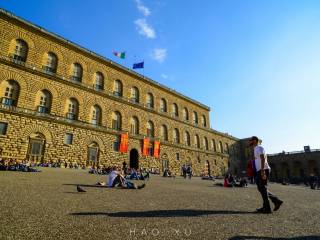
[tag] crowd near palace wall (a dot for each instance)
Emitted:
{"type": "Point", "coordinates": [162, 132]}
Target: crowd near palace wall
{"type": "Point", "coordinates": [62, 102]}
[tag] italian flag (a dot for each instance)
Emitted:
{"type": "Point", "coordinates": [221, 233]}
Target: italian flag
{"type": "Point", "coordinates": [120, 54]}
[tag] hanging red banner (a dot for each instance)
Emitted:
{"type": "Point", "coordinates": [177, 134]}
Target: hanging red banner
{"type": "Point", "coordinates": [156, 150]}
{"type": "Point", "coordinates": [124, 143]}
{"type": "Point", "coordinates": [145, 147]}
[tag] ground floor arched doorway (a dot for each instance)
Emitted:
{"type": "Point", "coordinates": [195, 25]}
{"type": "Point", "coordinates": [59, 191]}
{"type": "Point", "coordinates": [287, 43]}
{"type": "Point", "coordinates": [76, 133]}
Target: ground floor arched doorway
{"type": "Point", "coordinates": [134, 159]}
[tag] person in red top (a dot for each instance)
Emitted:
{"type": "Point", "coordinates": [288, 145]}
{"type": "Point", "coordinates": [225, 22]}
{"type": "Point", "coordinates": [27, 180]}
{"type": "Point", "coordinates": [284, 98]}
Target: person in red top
{"type": "Point", "coordinates": [250, 171]}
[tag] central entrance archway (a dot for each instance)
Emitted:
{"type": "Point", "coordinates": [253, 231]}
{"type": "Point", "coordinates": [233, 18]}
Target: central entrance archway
{"type": "Point", "coordinates": [134, 158]}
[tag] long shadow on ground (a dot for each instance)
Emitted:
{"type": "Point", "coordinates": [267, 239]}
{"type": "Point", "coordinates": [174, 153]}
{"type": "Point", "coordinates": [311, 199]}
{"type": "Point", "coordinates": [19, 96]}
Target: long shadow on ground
{"type": "Point", "coordinates": [274, 238]}
{"type": "Point", "coordinates": [86, 185]}
{"type": "Point", "coordinates": [161, 213]}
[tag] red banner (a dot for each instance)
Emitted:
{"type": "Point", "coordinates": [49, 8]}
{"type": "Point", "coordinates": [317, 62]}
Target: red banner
{"type": "Point", "coordinates": [124, 143]}
{"type": "Point", "coordinates": [156, 150]}
{"type": "Point", "coordinates": [145, 147]}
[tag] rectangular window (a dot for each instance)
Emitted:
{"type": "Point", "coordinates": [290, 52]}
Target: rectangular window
{"type": "Point", "coordinates": [177, 156]}
{"type": "Point", "coordinates": [3, 128]}
{"type": "Point", "coordinates": [116, 146]}
{"type": "Point", "coordinates": [68, 138]}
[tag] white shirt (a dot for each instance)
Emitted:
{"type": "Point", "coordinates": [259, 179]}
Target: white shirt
{"type": "Point", "coordinates": [259, 150]}
{"type": "Point", "coordinates": [112, 176]}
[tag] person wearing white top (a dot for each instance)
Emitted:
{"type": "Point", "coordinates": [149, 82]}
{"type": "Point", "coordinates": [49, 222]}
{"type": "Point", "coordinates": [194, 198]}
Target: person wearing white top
{"type": "Point", "coordinates": [116, 179]}
{"type": "Point", "coordinates": [263, 169]}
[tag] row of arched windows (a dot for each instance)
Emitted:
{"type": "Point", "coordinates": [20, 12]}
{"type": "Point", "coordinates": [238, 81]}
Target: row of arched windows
{"type": "Point", "coordinates": [10, 96]}
{"type": "Point", "coordinates": [50, 64]}
{"type": "Point", "coordinates": [44, 102]}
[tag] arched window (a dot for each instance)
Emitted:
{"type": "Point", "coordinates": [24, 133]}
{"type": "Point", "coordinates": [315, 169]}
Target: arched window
{"type": "Point", "coordinates": [163, 105]}
{"type": "Point", "coordinates": [98, 81]}
{"type": "Point", "coordinates": [205, 143]}
{"type": "Point", "coordinates": [134, 125]}
{"type": "Point", "coordinates": [150, 129]}
{"type": "Point", "coordinates": [72, 109]}
{"type": "Point", "coordinates": [134, 95]}
{"type": "Point", "coordinates": [96, 115]}
{"type": "Point", "coordinates": [44, 101]}
{"type": "Point", "coordinates": [150, 102]}
{"type": "Point", "coordinates": [213, 145]}
{"type": "Point", "coordinates": [226, 149]}
{"type": "Point", "coordinates": [204, 121]}
{"type": "Point", "coordinates": [176, 136]}
{"type": "Point", "coordinates": [164, 133]}
{"type": "Point", "coordinates": [175, 110]}
{"type": "Point", "coordinates": [51, 62]}
{"type": "Point", "coordinates": [195, 117]}
{"type": "Point", "coordinates": [187, 138]}
{"type": "Point", "coordinates": [76, 74]}
{"type": "Point", "coordinates": [221, 146]}
{"type": "Point", "coordinates": [10, 94]}
{"type": "Point", "coordinates": [117, 88]}
{"type": "Point", "coordinates": [20, 51]}
{"type": "Point", "coordinates": [197, 141]}
{"type": "Point", "coordinates": [116, 121]}
{"type": "Point", "coordinates": [185, 114]}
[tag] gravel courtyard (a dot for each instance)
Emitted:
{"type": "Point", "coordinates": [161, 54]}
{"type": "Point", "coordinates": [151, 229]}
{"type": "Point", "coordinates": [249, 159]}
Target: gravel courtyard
{"type": "Point", "coordinates": [46, 205]}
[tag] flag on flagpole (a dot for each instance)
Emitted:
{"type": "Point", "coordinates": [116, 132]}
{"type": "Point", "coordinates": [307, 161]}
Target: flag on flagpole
{"type": "Point", "coordinates": [120, 54]}
{"type": "Point", "coordinates": [124, 143]}
{"type": "Point", "coordinates": [145, 147]}
{"type": "Point", "coordinates": [156, 149]}
{"type": "Point", "coordinates": [138, 65]}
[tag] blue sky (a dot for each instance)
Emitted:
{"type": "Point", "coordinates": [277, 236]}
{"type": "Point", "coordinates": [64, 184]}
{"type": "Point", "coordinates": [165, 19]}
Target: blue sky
{"type": "Point", "coordinates": [255, 63]}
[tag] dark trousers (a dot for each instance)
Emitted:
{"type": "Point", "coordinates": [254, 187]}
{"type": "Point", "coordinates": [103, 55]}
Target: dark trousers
{"type": "Point", "coordinates": [262, 188]}
{"type": "Point", "coordinates": [117, 181]}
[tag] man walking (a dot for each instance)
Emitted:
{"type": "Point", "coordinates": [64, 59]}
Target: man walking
{"type": "Point", "coordinates": [262, 174]}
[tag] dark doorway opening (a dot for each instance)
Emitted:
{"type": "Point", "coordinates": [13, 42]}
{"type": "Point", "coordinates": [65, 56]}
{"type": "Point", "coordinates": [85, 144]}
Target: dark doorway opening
{"type": "Point", "coordinates": [208, 168]}
{"type": "Point", "coordinates": [134, 158]}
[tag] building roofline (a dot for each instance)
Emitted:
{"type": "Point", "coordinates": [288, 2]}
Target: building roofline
{"type": "Point", "coordinates": [100, 57]}
{"type": "Point", "coordinates": [294, 152]}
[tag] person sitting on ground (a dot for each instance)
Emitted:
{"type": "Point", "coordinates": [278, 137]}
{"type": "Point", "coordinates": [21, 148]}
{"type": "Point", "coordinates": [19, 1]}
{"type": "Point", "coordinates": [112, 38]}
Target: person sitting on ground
{"type": "Point", "coordinates": [144, 174]}
{"type": "Point", "coordinates": [226, 182]}
{"type": "Point", "coordinates": [242, 183]}
{"type": "Point", "coordinates": [189, 172]}
{"type": "Point", "coordinates": [229, 181]}
{"type": "Point", "coordinates": [3, 165]}
{"type": "Point", "coordinates": [117, 180]}
{"type": "Point", "coordinates": [184, 171]}
{"type": "Point", "coordinates": [134, 174]}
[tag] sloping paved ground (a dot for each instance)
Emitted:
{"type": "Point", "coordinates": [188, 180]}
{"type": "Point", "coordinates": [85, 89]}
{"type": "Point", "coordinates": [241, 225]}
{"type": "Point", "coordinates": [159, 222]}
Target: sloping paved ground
{"type": "Point", "coordinates": [43, 206]}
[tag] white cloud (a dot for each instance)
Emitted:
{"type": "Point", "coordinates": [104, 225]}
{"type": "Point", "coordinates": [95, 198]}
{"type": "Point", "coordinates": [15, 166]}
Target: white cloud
{"type": "Point", "coordinates": [164, 76]}
{"type": "Point", "coordinates": [142, 8]}
{"type": "Point", "coordinates": [159, 54]}
{"type": "Point", "coordinates": [144, 28]}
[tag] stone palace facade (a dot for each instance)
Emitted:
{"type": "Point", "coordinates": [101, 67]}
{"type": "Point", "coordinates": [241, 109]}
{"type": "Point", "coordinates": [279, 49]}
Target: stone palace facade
{"type": "Point", "coordinates": [62, 102]}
